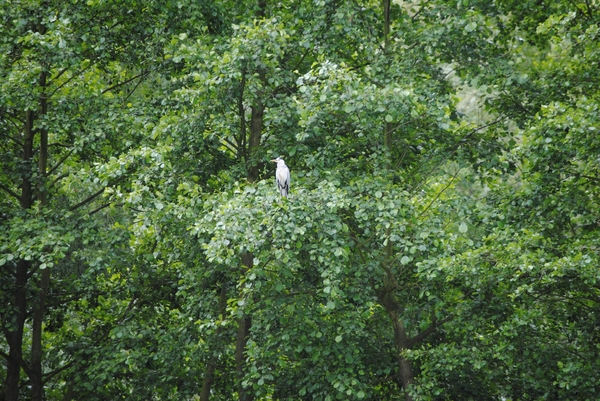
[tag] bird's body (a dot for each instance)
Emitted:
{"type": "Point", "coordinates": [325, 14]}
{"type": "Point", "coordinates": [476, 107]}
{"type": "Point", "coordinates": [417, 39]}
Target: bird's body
{"type": "Point", "coordinates": [282, 177]}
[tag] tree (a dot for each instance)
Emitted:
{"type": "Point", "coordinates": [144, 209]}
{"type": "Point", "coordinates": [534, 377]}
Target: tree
{"type": "Point", "coordinates": [64, 79]}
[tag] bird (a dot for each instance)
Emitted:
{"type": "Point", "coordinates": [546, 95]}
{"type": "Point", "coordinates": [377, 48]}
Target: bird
{"type": "Point", "coordinates": [282, 177]}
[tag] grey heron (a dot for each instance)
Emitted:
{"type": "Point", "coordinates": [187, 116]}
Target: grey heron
{"type": "Point", "coordinates": [282, 176]}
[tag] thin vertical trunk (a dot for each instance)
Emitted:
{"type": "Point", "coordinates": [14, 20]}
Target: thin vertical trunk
{"type": "Point", "coordinates": [401, 340]}
{"type": "Point", "coordinates": [14, 333]}
{"type": "Point", "coordinates": [241, 143]}
{"type": "Point", "coordinates": [386, 21]}
{"type": "Point", "coordinates": [258, 109]}
{"type": "Point", "coordinates": [385, 294]}
{"type": "Point", "coordinates": [256, 127]}
{"type": "Point", "coordinates": [244, 325]}
{"type": "Point", "coordinates": [36, 377]}
{"type": "Point", "coordinates": [387, 130]}
{"type": "Point", "coordinates": [26, 185]}
{"type": "Point", "coordinates": [209, 372]}
{"type": "Point", "coordinates": [387, 298]}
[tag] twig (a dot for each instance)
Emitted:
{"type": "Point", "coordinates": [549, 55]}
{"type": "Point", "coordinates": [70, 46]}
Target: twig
{"type": "Point", "coordinates": [124, 82]}
{"type": "Point", "coordinates": [440, 193]}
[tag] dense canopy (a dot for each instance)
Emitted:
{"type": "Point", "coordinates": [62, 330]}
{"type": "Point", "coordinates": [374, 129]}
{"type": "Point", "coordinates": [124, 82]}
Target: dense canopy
{"type": "Point", "coordinates": [441, 239]}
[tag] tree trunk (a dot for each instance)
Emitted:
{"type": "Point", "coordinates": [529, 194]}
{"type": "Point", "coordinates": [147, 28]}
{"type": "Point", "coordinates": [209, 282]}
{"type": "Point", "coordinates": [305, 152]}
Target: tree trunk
{"type": "Point", "coordinates": [14, 334]}
{"type": "Point", "coordinates": [209, 372]}
{"type": "Point", "coordinates": [37, 377]}
{"type": "Point", "coordinates": [244, 325]}
{"type": "Point", "coordinates": [385, 294]}
{"type": "Point", "coordinates": [387, 299]}
{"type": "Point", "coordinates": [401, 340]}
{"type": "Point", "coordinates": [386, 21]}
{"type": "Point", "coordinates": [256, 126]}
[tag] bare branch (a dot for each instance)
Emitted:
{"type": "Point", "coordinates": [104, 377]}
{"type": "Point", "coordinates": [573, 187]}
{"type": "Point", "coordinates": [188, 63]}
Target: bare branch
{"type": "Point", "coordinates": [432, 327]}
{"type": "Point", "coordinates": [88, 199]}
{"type": "Point", "coordinates": [99, 208]}
{"type": "Point", "coordinates": [61, 161]}
{"type": "Point", "coordinates": [440, 193]}
{"type": "Point", "coordinates": [136, 85]}
{"type": "Point", "coordinates": [231, 145]}
{"type": "Point", "coordinates": [57, 179]}
{"type": "Point", "coordinates": [50, 375]}
{"type": "Point", "coordinates": [59, 74]}
{"type": "Point", "coordinates": [9, 191]}
{"type": "Point", "coordinates": [69, 80]}
{"type": "Point", "coordinates": [124, 82]}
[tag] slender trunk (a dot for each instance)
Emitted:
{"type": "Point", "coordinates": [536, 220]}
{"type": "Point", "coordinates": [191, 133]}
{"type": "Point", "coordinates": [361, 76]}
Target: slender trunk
{"type": "Point", "coordinates": [26, 185]}
{"type": "Point", "coordinates": [385, 294]}
{"type": "Point", "coordinates": [256, 126]}
{"type": "Point", "coordinates": [241, 142]}
{"type": "Point", "coordinates": [401, 340]}
{"type": "Point", "coordinates": [386, 297]}
{"type": "Point", "coordinates": [209, 372]}
{"type": "Point", "coordinates": [387, 130]}
{"type": "Point", "coordinates": [386, 21]}
{"type": "Point", "coordinates": [36, 377]}
{"type": "Point", "coordinates": [244, 325]}
{"type": "Point", "coordinates": [14, 333]}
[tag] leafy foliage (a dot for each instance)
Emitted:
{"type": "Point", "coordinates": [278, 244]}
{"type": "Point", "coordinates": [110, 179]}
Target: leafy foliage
{"type": "Point", "coordinates": [425, 252]}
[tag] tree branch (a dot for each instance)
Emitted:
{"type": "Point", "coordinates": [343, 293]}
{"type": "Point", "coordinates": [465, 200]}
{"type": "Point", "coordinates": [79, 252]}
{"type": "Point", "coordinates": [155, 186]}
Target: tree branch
{"type": "Point", "coordinates": [69, 80]}
{"type": "Point", "coordinates": [100, 208]}
{"type": "Point", "coordinates": [50, 375]}
{"type": "Point", "coordinates": [432, 327]}
{"type": "Point", "coordinates": [57, 179]}
{"type": "Point", "coordinates": [141, 74]}
{"type": "Point", "coordinates": [9, 191]}
{"type": "Point", "coordinates": [61, 161]}
{"type": "Point", "coordinates": [440, 193]}
{"type": "Point", "coordinates": [88, 199]}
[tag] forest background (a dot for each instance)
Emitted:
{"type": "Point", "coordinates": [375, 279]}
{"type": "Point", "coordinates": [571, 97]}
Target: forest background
{"type": "Point", "coordinates": [440, 242]}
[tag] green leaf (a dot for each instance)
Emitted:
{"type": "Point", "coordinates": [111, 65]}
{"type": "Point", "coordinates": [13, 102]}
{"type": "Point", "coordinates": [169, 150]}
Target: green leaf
{"type": "Point", "coordinates": [471, 26]}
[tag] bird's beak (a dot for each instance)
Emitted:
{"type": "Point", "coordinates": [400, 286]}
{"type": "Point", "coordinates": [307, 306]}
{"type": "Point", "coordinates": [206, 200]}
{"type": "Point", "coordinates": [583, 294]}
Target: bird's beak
{"type": "Point", "coordinates": [275, 161]}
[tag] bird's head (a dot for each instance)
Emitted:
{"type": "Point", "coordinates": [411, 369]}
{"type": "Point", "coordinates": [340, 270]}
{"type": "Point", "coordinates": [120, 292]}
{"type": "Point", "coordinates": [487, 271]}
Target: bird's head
{"type": "Point", "coordinates": [279, 159]}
